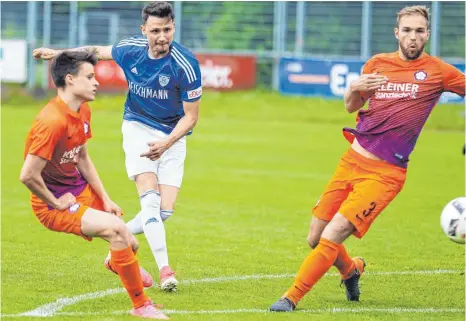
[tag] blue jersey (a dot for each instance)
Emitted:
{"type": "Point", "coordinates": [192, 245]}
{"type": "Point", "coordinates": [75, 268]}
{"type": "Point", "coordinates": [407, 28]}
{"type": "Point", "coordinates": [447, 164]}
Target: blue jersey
{"type": "Point", "coordinates": [157, 87]}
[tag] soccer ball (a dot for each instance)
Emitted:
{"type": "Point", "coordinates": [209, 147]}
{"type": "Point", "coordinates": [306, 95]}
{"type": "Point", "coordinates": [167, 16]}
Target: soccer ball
{"type": "Point", "coordinates": [453, 220]}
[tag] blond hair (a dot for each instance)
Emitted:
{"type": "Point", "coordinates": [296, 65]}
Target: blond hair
{"type": "Point", "coordinates": [413, 10]}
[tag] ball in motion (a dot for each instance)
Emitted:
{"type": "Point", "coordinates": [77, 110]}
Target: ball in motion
{"type": "Point", "coordinates": [453, 220]}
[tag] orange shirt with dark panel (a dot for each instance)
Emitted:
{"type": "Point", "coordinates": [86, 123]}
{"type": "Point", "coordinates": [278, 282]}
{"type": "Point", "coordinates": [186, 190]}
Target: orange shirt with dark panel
{"type": "Point", "coordinates": [58, 134]}
{"type": "Point", "coordinates": [397, 112]}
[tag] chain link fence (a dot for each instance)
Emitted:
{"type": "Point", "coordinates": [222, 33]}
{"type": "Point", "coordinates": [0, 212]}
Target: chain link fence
{"type": "Point", "coordinates": [268, 29]}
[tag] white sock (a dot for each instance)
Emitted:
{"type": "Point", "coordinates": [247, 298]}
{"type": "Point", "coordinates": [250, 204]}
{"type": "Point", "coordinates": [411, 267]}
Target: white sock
{"type": "Point", "coordinates": [135, 225]}
{"type": "Point", "coordinates": [153, 226]}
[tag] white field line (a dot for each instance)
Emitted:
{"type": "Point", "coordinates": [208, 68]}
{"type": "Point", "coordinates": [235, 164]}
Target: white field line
{"type": "Point", "coordinates": [54, 308]}
{"type": "Point", "coordinates": [238, 311]}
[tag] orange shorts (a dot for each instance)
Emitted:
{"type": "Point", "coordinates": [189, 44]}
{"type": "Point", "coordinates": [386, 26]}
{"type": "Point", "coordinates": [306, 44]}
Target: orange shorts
{"type": "Point", "coordinates": [69, 220]}
{"type": "Point", "coordinates": [359, 190]}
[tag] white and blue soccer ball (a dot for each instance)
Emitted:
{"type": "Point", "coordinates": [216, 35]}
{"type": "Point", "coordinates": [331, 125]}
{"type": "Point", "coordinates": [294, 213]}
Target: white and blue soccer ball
{"type": "Point", "coordinates": [453, 220]}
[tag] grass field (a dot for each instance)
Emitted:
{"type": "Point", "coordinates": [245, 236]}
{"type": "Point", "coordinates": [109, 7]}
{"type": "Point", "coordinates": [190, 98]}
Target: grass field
{"type": "Point", "coordinates": [256, 165]}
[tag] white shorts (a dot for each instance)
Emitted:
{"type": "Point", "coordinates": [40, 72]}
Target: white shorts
{"type": "Point", "coordinates": [169, 168]}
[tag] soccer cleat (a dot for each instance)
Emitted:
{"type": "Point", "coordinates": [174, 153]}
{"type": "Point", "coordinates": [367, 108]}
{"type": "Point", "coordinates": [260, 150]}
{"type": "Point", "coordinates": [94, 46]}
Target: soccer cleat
{"type": "Point", "coordinates": [147, 280]}
{"type": "Point", "coordinates": [168, 282]}
{"type": "Point", "coordinates": [283, 305]}
{"type": "Point", "coordinates": [352, 283]}
{"type": "Point", "coordinates": [148, 311]}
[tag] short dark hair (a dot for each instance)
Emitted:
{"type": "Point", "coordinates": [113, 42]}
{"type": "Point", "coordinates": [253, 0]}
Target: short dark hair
{"type": "Point", "coordinates": [68, 62]}
{"type": "Point", "coordinates": [159, 9]}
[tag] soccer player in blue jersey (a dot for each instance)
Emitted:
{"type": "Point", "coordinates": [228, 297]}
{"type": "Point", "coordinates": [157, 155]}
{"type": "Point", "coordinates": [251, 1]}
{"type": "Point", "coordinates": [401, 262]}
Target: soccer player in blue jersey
{"type": "Point", "coordinates": [161, 108]}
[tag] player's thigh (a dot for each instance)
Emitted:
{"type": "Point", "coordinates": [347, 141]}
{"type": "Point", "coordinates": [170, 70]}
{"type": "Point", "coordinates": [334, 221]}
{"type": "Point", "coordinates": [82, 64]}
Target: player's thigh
{"type": "Point", "coordinates": [168, 196]}
{"type": "Point", "coordinates": [367, 200]}
{"type": "Point", "coordinates": [334, 194]}
{"type": "Point", "coordinates": [171, 167]}
{"type": "Point", "coordinates": [135, 142]}
{"type": "Point", "coordinates": [95, 223]}
{"type": "Point", "coordinates": [316, 228]}
{"type": "Point", "coordinates": [146, 182]}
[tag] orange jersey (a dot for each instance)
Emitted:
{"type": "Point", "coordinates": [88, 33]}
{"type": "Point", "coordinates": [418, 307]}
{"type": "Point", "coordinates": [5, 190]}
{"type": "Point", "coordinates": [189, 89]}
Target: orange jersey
{"type": "Point", "coordinates": [397, 112]}
{"type": "Point", "coordinates": [58, 134]}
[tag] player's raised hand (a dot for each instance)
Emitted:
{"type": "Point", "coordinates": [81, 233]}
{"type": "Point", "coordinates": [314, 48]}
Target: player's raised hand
{"type": "Point", "coordinates": [65, 201]}
{"type": "Point", "coordinates": [44, 53]}
{"type": "Point", "coordinates": [156, 149]}
{"type": "Point", "coordinates": [111, 207]}
{"type": "Point", "coordinates": [368, 82]}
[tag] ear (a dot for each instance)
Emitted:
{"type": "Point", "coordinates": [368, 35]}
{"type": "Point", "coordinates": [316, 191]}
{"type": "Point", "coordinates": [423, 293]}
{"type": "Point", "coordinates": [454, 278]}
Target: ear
{"type": "Point", "coordinates": [69, 80]}
{"type": "Point", "coordinates": [396, 32]}
{"type": "Point", "coordinates": [143, 30]}
{"type": "Point", "coordinates": [428, 34]}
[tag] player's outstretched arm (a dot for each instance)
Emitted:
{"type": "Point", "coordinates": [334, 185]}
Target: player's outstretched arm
{"type": "Point", "coordinates": [31, 177]}
{"type": "Point", "coordinates": [89, 172]}
{"type": "Point", "coordinates": [102, 52]}
{"type": "Point", "coordinates": [361, 89]}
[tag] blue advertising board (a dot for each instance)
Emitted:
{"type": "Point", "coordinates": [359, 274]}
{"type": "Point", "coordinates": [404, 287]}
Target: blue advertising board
{"type": "Point", "coordinates": [329, 78]}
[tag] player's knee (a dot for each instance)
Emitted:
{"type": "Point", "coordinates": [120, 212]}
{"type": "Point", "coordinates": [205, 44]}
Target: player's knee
{"type": "Point", "coordinates": [338, 229]}
{"type": "Point", "coordinates": [166, 214]}
{"type": "Point", "coordinates": [118, 232]}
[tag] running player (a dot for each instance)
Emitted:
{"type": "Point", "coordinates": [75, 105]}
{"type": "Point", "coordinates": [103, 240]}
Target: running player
{"type": "Point", "coordinates": [161, 108]}
{"type": "Point", "coordinates": [403, 87]}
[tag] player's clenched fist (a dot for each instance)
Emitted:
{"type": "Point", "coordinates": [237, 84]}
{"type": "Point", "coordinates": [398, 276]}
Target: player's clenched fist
{"type": "Point", "coordinates": [65, 201]}
{"type": "Point", "coordinates": [368, 82]}
{"type": "Point", "coordinates": [44, 53]}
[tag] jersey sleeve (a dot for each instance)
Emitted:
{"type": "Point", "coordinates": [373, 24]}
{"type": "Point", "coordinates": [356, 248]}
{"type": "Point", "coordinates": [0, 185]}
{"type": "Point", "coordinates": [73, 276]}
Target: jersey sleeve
{"type": "Point", "coordinates": [191, 82]}
{"type": "Point", "coordinates": [453, 79]}
{"type": "Point", "coordinates": [45, 135]}
{"type": "Point", "coordinates": [119, 50]}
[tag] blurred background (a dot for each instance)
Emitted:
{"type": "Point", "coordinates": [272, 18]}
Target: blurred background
{"type": "Point", "coordinates": [242, 45]}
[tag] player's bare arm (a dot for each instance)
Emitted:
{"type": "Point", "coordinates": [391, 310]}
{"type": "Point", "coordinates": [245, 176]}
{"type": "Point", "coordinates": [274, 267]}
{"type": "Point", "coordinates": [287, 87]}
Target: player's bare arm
{"type": "Point", "coordinates": [186, 123]}
{"type": "Point", "coordinates": [31, 177]}
{"type": "Point", "coordinates": [102, 52]}
{"type": "Point", "coordinates": [89, 172]}
{"type": "Point", "coordinates": [360, 89]}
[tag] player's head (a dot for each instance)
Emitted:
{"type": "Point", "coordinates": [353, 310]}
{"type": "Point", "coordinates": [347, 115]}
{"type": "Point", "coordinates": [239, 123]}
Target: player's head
{"type": "Point", "coordinates": [158, 25]}
{"type": "Point", "coordinates": [412, 31]}
{"type": "Point", "coordinates": [73, 72]}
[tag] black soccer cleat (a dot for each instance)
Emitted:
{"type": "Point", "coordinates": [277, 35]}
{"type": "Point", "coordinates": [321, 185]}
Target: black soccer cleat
{"type": "Point", "coordinates": [283, 305]}
{"type": "Point", "coordinates": [352, 284]}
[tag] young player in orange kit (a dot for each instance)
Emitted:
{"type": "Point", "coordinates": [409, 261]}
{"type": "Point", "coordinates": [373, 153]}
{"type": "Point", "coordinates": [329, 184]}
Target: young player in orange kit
{"type": "Point", "coordinates": [67, 194]}
{"type": "Point", "coordinates": [402, 89]}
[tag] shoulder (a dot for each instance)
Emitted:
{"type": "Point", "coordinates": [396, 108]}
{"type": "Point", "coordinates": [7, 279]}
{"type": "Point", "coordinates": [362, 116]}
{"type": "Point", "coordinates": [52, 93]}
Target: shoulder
{"type": "Point", "coordinates": [181, 54]}
{"type": "Point", "coordinates": [132, 44]}
{"type": "Point", "coordinates": [50, 117]}
{"type": "Point", "coordinates": [436, 62]}
{"type": "Point", "coordinates": [382, 57]}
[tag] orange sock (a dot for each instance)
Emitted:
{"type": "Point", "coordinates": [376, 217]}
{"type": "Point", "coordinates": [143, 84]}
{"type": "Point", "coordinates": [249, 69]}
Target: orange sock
{"type": "Point", "coordinates": [344, 263]}
{"type": "Point", "coordinates": [313, 268]}
{"type": "Point", "coordinates": [126, 265]}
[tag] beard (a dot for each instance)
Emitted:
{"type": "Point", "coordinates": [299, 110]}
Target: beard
{"type": "Point", "coordinates": [411, 56]}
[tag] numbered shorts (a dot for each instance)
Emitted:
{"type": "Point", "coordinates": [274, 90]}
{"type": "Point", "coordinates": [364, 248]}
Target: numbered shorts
{"type": "Point", "coordinates": [359, 190]}
{"type": "Point", "coordinates": [69, 220]}
{"type": "Point", "coordinates": [169, 168]}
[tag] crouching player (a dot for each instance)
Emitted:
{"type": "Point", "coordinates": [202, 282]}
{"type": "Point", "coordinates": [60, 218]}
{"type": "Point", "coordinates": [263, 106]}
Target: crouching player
{"type": "Point", "coordinates": [67, 194]}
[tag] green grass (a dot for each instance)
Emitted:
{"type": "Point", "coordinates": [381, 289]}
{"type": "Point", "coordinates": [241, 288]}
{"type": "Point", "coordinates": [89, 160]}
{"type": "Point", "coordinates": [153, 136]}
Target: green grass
{"type": "Point", "coordinates": [256, 165]}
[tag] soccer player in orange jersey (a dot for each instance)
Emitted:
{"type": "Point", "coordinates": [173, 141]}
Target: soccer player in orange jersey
{"type": "Point", "coordinates": [402, 89]}
{"type": "Point", "coordinates": [67, 194]}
